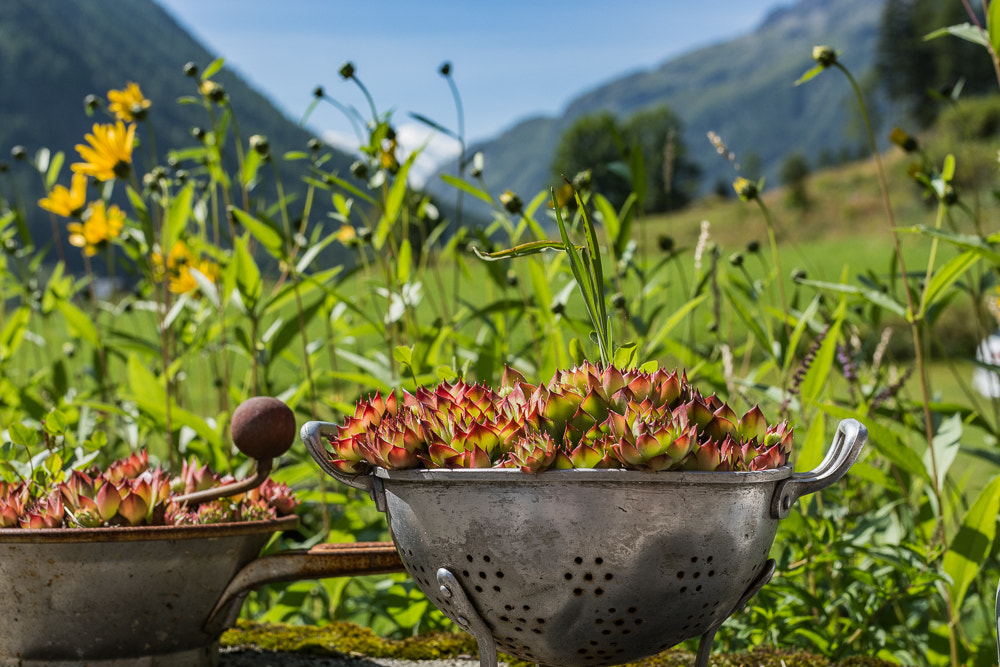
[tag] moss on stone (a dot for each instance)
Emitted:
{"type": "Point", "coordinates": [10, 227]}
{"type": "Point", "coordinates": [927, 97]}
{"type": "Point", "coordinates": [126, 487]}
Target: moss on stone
{"type": "Point", "coordinates": [339, 638]}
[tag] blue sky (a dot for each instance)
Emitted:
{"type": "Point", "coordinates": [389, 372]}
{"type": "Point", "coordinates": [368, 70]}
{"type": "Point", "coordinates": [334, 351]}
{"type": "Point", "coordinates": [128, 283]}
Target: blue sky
{"type": "Point", "coordinates": [511, 58]}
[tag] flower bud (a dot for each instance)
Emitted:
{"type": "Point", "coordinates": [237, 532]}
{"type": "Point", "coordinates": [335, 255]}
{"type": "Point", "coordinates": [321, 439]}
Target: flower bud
{"type": "Point", "coordinates": [736, 259]}
{"type": "Point", "coordinates": [666, 243]}
{"type": "Point", "coordinates": [190, 69]}
{"type": "Point", "coordinates": [582, 179]}
{"type": "Point", "coordinates": [745, 189]}
{"type": "Point", "coordinates": [347, 70]}
{"type": "Point", "coordinates": [359, 170]}
{"type": "Point", "coordinates": [18, 153]}
{"type": "Point", "coordinates": [753, 247]}
{"type": "Point", "coordinates": [511, 202]}
{"type": "Point", "coordinates": [445, 68]}
{"type": "Point", "coordinates": [198, 133]}
{"type": "Point", "coordinates": [314, 145]}
{"type": "Point", "coordinates": [91, 102]}
{"type": "Point", "coordinates": [318, 92]}
{"type": "Point", "coordinates": [260, 145]}
{"type": "Point", "coordinates": [824, 56]}
{"type": "Point", "coordinates": [903, 140]}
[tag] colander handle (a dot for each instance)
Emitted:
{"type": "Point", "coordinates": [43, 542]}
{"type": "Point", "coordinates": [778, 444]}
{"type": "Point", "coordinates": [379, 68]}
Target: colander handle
{"type": "Point", "coordinates": [313, 435]}
{"type": "Point", "coordinates": [847, 443]}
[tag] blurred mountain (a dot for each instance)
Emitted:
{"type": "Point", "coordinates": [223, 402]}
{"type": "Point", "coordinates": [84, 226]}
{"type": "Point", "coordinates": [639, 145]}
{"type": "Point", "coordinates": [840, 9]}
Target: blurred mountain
{"type": "Point", "coordinates": [742, 89]}
{"type": "Point", "coordinates": [53, 53]}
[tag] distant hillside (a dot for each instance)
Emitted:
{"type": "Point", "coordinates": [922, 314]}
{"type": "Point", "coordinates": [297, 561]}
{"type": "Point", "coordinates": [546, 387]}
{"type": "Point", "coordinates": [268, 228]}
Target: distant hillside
{"type": "Point", "coordinates": [55, 52]}
{"type": "Point", "coordinates": [742, 89]}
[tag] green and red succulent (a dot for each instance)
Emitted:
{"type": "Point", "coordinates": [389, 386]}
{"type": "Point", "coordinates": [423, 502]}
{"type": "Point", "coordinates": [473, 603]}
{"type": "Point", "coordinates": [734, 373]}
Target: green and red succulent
{"type": "Point", "coordinates": [585, 417]}
{"type": "Point", "coordinates": [130, 493]}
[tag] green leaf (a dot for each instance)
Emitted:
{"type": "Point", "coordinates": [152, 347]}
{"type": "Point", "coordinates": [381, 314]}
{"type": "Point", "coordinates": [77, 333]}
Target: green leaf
{"type": "Point", "coordinates": [468, 188]}
{"type": "Point", "coordinates": [945, 277]}
{"type": "Point", "coordinates": [872, 296]}
{"type": "Point", "coordinates": [80, 325]}
{"type": "Point", "coordinates": [947, 442]}
{"type": "Point", "coordinates": [815, 378]}
{"type": "Point", "coordinates": [55, 422]}
{"type": "Point", "coordinates": [993, 27]}
{"type": "Point", "coordinates": [404, 262]}
{"type": "Point", "coordinates": [965, 31]}
{"type": "Point", "coordinates": [678, 316]}
{"type": "Point", "coordinates": [55, 165]}
{"type": "Point", "coordinates": [809, 74]}
{"type": "Point", "coordinates": [810, 451]}
{"type": "Point", "coordinates": [626, 356]}
{"type": "Point", "coordinates": [948, 169]}
{"type": "Point", "coordinates": [437, 126]}
{"type": "Point", "coordinates": [403, 354]}
{"type": "Point", "coordinates": [23, 435]}
{"type": "Point", "coordinates": [248, 280]}
{"type": "Point", "coordinates": [177, 215]}
{"type": "Point", "coordinates": [212, 68]}
{"type": "Point", "coordinates": [970, 548]}
{"type": "Point", "coordinates": [265, 232]}
{"type": "Point", "coordinates": [251, 165]}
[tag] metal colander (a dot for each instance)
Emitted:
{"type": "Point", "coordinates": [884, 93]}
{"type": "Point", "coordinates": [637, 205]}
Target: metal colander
{"type": "Point", "coordinates": [588, 567]}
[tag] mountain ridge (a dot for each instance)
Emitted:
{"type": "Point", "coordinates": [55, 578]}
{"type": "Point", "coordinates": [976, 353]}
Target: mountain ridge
{"type": "Point", "coordinates": [736, 87]}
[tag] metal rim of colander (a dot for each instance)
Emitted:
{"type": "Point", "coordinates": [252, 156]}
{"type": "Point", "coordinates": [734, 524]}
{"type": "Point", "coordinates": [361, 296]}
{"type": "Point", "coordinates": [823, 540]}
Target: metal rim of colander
{"type": "Point", "coordinates": [515, 476]}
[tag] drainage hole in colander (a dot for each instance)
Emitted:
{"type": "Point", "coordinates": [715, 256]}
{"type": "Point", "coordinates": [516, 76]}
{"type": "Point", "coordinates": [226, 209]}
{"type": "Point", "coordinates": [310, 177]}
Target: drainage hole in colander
{"type": "Point", "coordinates": [486, 559]}
{"type": "Point", "coordinates": [540, 621]}
{"type": "Point", "coordinates": [536, 631]}
{"type": "Point", "coordinates": [496, 589]}
{"type": "Point", "coordinates": [632, 610]}
{"type": "Point", "coordinates": [626, 631]}
{"type": "Point", "coordinates": [518, 629]}
{"type": "Point", "coordinates": [468, 557]}
{"type": "Point", "coordinates": [578, 592]}
{"type": "Point", "coordinates": [608, 576]}
{"type": "Point", "coordinates": [522, 620]}
{"type": "Point", "coordinates": [605, 632]}
{"type": "Point", "coordinates": [588, 577]}
{"type": "Point", "coordinates": [598, 560]}
{"type": "Point", "coordinates": [479, 589]}
{"type": "Point", "coordinates": [696, 575]}
{"type": "Point", "coordinates": [697, 589]}
{"type": "Point", "coordinates": [598, 621]}
{"type": "Point", "coordinates": [619, 622]}
{"type": "Point", "coordinates": [505, 619]}
{"type": "Point", "coordinates": [638, 621]}
{"type": "Point", "coordinates": [465, 573]}
{"type": "Point", "coordinates": [694, 559]}
{"type": "Point", "coordinates": [612, 610]}
{"type": "Point", "coordinates": [711, 573]}
{"type": "Point", "coordinates": [708, 560]}
{"type": "Point", "coordinates": [508, 607]}
{"type": "Point", "coordinates": [527, 608]}
{"type": "Point", "coordinates": [598, 591]}
{"type": "Point", "coordinates": [578, 560]}
{"type": "Point", "coordinates": [482, 575]}
{"type": "Point", "coordinates": [568, 576]}
{"type": "Point", "coordinates": [684, 589]}
{"type": "Point", "coordinates": [680, 574]}
{"type": "Point", "coordinates": [499, 574]}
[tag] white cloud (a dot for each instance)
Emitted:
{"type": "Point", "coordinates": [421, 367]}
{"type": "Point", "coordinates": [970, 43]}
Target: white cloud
{"type": "Point", "coordinates": [436, 148]}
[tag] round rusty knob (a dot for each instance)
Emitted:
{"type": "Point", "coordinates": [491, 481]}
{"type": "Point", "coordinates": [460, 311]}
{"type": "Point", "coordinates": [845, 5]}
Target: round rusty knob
{"type": "Point", "coordinates": [263, 427]}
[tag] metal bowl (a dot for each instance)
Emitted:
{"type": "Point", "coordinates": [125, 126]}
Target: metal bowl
{"type": "Point", "coordinates": [588, 567]}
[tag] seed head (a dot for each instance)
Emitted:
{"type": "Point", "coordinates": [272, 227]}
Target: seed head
{"type": "Point", "coordinates": [347, 71]}
{"type": "Point", "coordinates": [190, 69]}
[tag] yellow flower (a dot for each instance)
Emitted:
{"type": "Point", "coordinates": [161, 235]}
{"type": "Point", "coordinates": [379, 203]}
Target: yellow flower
{"type": "Point", "coordinates": [101, 226]}
{"type": "Point", "coordinates": [128, 104]}
{"type": "Point", "coordinates": [183, 282]}
{"type": "Point", "coordinates": [180, 261]}
{"type": "Point", "coordinates": [346, 234]}
{"type": "Point", "coordinates": [67, 203]}
{"type": "Point", "coordinates": [109, 154]}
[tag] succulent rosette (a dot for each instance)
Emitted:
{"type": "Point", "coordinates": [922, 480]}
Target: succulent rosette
{"type": "Point", "coordinates": [131, 493]}
{"type": "Point", "coordinates": [585, 417]}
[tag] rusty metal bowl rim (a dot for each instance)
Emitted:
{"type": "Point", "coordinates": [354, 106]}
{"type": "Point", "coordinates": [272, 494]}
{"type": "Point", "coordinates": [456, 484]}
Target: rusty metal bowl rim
{"type": "Point", "coordinates": [141, 533]}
